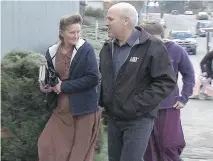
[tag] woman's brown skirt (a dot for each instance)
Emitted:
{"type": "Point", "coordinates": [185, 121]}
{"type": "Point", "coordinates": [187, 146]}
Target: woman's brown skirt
{"type": "Point", "coordinates": [68, 138]}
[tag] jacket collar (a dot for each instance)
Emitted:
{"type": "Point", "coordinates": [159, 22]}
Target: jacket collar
{"type": "Point", "coordinates": [143, 36]}
{"type": "Point", "coordinates": [53, 49]}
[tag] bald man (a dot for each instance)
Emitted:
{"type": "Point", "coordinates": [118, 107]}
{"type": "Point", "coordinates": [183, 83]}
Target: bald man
{"type": "Point", "coordinates": [136, 76]}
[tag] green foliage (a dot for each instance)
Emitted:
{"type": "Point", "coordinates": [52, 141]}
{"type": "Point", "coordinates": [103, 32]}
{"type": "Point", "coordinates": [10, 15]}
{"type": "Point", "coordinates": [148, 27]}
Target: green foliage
{"type": "Point", "coordinates": [24, 111]}
{"type": "Point", "coordinates": [94, 12]}
{"type": "Point", "coordinates": [23, 107]}
{"type": "Point", "coordinates": [102, 155]}
{"type": "Point", "coordinates": [89, 35]}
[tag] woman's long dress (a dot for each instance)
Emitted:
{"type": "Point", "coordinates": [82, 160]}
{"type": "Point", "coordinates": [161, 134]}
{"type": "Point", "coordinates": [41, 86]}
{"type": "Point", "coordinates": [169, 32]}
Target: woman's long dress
{"type": "Point", "coordinates": [66, 137]}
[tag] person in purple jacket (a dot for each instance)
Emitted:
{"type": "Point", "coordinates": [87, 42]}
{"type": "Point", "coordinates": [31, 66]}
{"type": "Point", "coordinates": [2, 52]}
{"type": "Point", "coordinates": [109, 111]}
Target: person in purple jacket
{"type": "Point", "coordinates": [167, 140]}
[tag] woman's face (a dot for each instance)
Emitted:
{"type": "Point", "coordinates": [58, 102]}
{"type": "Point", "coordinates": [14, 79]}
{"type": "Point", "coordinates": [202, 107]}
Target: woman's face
{"type": "Point", "coordinates": [71, 34]}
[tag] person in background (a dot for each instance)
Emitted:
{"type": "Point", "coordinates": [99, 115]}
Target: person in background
{"type": "Point", "coordinates": [137, 75]}
{"type": "Point", "coordinates": [167, 139]}
{"type": "Point", "coordinates": [71, 132]}
{"type": "Point", "coordinates": [203, 82]}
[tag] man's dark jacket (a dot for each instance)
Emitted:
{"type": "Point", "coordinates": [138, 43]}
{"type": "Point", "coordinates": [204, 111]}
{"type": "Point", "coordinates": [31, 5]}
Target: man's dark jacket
{"type": "Point", "coordinates": [145, 79]}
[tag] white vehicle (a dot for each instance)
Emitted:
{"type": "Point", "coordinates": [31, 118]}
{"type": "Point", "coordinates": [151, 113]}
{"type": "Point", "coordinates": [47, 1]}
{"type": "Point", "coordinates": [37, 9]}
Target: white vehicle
{"type": "Point", "coordinates": [203, 24]}
{"type": "Point", "coordinates": [202, 16]}
{"type": "Point", "coordinates": [188, 13]}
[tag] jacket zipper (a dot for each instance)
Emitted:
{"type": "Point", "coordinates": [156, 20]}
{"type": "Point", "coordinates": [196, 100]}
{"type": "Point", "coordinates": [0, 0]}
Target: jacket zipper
{"type": "Point", "coordinates": [119, 72]}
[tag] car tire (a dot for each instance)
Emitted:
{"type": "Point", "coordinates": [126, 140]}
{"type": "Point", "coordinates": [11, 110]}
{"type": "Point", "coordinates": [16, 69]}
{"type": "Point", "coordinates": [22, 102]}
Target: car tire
{"type": "Point", "coordinates": [194, 52]}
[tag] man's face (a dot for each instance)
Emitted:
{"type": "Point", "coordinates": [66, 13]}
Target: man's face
{"type": "Point", "coordinates": [115, 23]}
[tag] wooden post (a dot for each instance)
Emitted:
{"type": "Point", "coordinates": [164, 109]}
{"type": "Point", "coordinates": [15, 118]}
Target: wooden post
{"type": "Point", "coordinates": [96, 30]}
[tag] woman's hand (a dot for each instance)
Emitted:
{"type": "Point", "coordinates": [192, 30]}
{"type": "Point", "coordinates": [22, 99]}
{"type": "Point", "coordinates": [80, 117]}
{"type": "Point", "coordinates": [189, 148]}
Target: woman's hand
{"type": "Point", "coordinates": [209, 80]}
{"type": "Point", "coordinates": [204, 74]}
{"type": "Point", "coordinates": [57, 88]}
{"type": "Point", "coordinates": [46, 88]}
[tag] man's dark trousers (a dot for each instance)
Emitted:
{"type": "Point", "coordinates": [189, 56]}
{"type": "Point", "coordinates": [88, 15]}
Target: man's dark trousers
{"type": "Point", "coordinates": [127, 140]}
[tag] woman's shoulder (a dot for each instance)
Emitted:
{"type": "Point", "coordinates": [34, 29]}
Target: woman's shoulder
{"type": "Point", "coordinates": [88, 45]}
{"type": "Point", "coordinates": [52, 49]}
{"type": "Point", "coordinates": [87, 48]}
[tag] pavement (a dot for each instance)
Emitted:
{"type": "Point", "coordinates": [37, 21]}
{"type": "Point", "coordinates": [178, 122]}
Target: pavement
{"type": "Point", "coordinates": [197, 121]}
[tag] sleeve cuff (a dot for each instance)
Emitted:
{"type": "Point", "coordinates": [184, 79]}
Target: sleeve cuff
{"type": "Point", "coordinates": [63, 84]}
{"type": "Point", "coordinates": [183, 99]}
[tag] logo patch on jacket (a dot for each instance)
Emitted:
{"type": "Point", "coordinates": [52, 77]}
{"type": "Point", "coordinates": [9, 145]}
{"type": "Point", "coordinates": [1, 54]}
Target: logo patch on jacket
{"type": "Point", "coordinates": [134, 59]}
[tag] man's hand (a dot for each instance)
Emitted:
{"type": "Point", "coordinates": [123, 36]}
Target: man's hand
{"type": "Point", "coordinates": [57, 88]}
{"type": "Point", "coordinates": [209, 80]}
{"type": "Point", "coordinates": [179, 105]}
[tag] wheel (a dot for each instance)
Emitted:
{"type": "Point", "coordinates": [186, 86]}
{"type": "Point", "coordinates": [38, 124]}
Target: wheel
{"type": "Point", "coordinates": [194, 52]}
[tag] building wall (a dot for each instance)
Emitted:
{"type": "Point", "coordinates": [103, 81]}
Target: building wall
{"type": "Point", "coordinates": [33, 25]}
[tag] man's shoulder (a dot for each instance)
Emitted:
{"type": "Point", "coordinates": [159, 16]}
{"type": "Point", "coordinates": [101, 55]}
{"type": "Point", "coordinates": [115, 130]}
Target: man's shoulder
{"type": "Point", "coordinates": [155, 41]}
{"type": "Point", "coordinates": [156, 45]}
{"type": "Point", "coordinates": [107, 44]}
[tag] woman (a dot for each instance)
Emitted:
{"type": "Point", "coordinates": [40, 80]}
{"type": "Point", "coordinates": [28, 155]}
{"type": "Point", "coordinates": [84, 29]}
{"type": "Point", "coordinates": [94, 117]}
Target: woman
{"type": "Point", "coordinates": [204, 80]}
{"type": "Point", "coordinates": [167, 140]}
{"type": "Point", "coordinates": [71, 132]}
